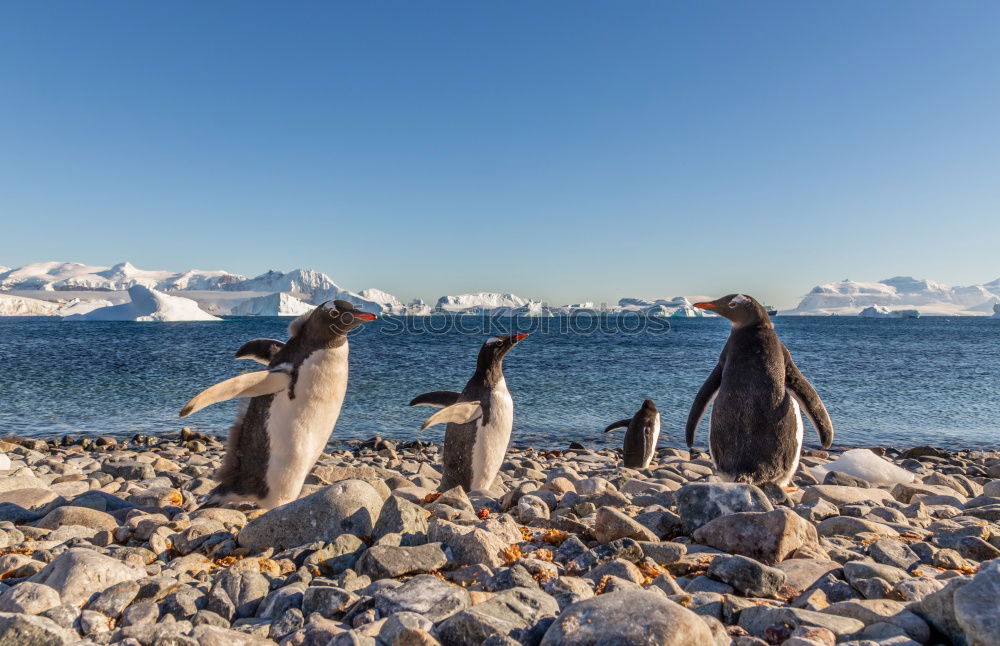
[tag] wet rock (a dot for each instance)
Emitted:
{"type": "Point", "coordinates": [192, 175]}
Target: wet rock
{"type": "Point", "coordinates": [350, 507]}
{"type": "Point", "coordinates": [768, 537]}
{"type": "Point", "coordinates": [749, 577]}
{"type": "Point", "coordinates": [628, 619]}
{"type": "Point", "coordinates": [701, 502]}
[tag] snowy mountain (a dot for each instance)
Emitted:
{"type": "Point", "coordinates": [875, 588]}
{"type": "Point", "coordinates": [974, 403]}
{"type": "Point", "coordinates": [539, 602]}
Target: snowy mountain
{"type": "Point", "coordinates": [277, 304]}
{"type": "Point", "coordinates": [147, 305]}
{"type": "Point", "coordinates": [67, 276]}
{"type": "Point", "coordinates": [849, 297]}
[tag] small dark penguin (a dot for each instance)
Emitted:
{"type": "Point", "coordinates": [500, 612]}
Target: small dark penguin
{"type": "Point", "coordinates": [480, 419]}
{"type": "Point", "coordinates": [641, 437]}
{"type": "Point", "coordinates": [291, 407]}
{"type": "Point", "coordinates": [759, 393]}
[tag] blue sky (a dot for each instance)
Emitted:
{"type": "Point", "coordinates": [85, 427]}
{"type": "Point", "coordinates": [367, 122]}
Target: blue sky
{"type": "Point", "coordinates": [560, 150]}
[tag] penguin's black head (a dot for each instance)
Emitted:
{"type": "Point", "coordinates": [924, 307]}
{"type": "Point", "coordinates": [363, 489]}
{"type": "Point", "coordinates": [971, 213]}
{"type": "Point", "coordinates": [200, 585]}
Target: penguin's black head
{"type": "Point", "coordinates": [647, 404]}
{"type": "Point", "coordinates": [496, 348]}
{"type": "Point", "coordinates": [329, 320]}
{"type": "Point", "coordinates": [740, 309]}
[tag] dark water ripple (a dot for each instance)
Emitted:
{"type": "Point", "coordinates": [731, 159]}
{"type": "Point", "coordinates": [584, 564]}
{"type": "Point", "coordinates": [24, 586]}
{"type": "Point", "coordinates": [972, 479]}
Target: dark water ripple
{"type": "Point", "coordinates": [898, 382]}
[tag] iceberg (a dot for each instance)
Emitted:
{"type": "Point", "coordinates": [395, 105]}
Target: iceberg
{"type": "Point", "coordinates": [862, 463]}
{"type": "Point", "coordinates": [996, 312]}
{"type": "Point", "coordinates": [919, 296]}
{"type": "Point", "coordinates": [479, 303]}
{"type": "Point", "coordinates": [79, 306]}
{"type": "Point", "coordinates": [278, 304]}
{"type": "Point", "coordinates": [678, 307]}
{"type": "Point", "coordinates": [147, 305]}
{"type": "Point", "coordinates": [882, 312]}
{"type": "Point", "coordinates": [22, 306]}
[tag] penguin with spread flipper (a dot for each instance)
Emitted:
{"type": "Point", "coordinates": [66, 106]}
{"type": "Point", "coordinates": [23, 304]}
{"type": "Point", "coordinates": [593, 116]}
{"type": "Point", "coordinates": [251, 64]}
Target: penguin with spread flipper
{"type": "Point", "coordinates": [757, 395]}
{"type": "Point", "coordinates": [290, 409]}
{"type": "Point", "coordinates": [641, 436]}
{"type": "Point", "coordinates": [480, 419]}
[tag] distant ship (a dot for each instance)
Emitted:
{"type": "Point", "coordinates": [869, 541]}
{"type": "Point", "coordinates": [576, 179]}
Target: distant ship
{"type": "Point", "coordinates": [771, 311]}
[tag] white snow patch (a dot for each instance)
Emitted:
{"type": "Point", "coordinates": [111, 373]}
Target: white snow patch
{"type": "Point", "coordinates": [882, 312]}
{"type": "Point", "coordinates": [862, 463]}
{"type": "Point", "coordinates": [148, 305]}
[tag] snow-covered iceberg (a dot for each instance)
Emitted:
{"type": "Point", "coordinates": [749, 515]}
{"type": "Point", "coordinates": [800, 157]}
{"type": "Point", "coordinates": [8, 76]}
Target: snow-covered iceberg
{"type": "Point", "coordinates": [279, 304]}
{"type": "Point", "coordinates": [80, 306]}
{"type": "Point", "coordinates": [21, 306]}
{"type": "Point", "coordinates": [148, 305]}
{"type": "Point", "coordinates": [679, 307]}
{"type": "Point", "coordinates": [882, 312]}
{"type": "Point", "coordinates": [849, 297]}
{"type": "Point", "coordinates": [479, 303]}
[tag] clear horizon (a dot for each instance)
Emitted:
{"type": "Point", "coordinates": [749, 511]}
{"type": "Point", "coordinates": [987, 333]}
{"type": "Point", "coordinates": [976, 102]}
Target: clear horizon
{"type": "Point", "coordinates": [564, 152]}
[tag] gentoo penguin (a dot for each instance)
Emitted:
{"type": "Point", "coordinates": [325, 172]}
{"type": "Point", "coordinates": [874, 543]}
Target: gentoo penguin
{"type": "Point", "coordinates": [759, 393]}
{"type": "Point", "coordinates": [479, 420]}
{"type": "Point", "coordinates": [641, 437]}
{"type": "Point", "coordinates": [291, 407]}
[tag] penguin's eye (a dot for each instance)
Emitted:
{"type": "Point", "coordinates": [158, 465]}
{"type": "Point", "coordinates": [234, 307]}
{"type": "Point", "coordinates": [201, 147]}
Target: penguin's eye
{"type": "Point", "coordinates": [732, 304]}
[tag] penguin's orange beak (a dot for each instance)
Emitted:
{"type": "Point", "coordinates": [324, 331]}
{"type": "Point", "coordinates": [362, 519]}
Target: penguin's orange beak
{"type": "Point", "coordinates": [521, 337]}
{"type": "Point", "coordinates": [365, 316]}
{"type": "Point", "coordinates": [706, 306]}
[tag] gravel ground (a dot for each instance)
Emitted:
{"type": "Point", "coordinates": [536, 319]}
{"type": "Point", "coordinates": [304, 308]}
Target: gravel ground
{"type": "Point", "coordinates": [102, 542]}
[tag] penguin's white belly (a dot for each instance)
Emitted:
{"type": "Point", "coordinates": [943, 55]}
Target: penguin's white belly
{"type": "Point", "coordinates": [299, 428]}
{"type": "Point", "coordinates": [656, 439]}
{"type": "Point", "coordinates": [491, 439]}
{"type": "Point", "coordinates": [799, 431]}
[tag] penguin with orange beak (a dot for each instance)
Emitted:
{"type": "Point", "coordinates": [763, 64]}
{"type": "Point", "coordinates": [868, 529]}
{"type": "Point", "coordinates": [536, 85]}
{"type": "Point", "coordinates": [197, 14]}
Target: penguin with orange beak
{"type": "Point", "coordinates": [757, 395]}
{"type": "Point", "coordinates": [480, 420]}
{"type": "Point", "coordinates": [290, 409]}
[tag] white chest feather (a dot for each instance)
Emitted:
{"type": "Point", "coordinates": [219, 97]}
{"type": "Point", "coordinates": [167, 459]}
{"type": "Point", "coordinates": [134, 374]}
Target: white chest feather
{"type": "Point", "coordinates": [492, 438]}
{"type": "Point", "coordinates": [656, 439]}
{"type": "Point", "coordinates": [299, 428]}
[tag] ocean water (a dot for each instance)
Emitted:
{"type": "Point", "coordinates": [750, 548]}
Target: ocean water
{"type": "Point", "coordinates": [885, 382]}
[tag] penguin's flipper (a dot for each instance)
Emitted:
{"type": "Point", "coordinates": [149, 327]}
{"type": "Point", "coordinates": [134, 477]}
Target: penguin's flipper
{"type": "Point", "coordinates": [808, 399]}
{"type": "Point", "coordinates": [701, 402]}
{"type": "Point", "coordinates": [459, 413]}
{"type": "Point", "coordinates": [438, 398]}
{"type": "Point", "coordinates": [250, 384]}
{"type": "Point", "coordinates": [619, 424]}
{"type": "Point", "coordinates": [260, 350]}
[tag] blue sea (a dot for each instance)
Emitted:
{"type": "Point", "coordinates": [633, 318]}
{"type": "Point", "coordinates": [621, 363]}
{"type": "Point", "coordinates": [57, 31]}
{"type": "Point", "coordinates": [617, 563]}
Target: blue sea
{"type": "Point", "coordinates": [885, 382]}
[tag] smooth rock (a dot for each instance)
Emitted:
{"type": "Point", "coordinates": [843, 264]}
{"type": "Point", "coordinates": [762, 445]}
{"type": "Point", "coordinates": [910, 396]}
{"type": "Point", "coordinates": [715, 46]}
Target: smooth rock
{"type": "Point", "coordinates": [768, 537]}
{"type": "Point", "coordinates": [700, 502]}
{"type": "Point", "coordinates": [749, 577]}
{"type": "Point", "coordinates": [79, 572]}
{"type": "Point", "coordinates": [510, 613]}
{"type": "Point", "coordinates": [630, 618]}
{"type": "Point", "coordinates": [383, 561]}
{"type": "Point", "coordinates": [977, 606]}
{"type": "Point", "coordinates": [348, 507]}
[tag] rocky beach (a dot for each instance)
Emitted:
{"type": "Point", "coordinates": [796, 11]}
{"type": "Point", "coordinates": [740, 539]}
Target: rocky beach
{"type": "Point", "coordinates": [102, 542]}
